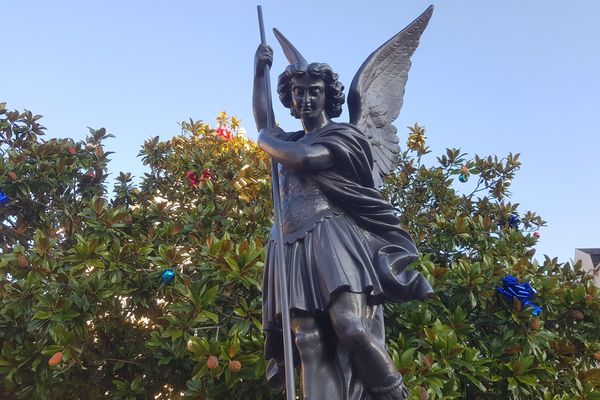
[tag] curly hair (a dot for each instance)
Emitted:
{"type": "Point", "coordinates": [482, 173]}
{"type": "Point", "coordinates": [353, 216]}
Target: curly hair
{"type": "Point", "coordinates": [334, 89]}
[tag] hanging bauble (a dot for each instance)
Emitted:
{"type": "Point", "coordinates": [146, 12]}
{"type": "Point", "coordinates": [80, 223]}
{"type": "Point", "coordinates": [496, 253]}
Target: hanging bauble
{"type": "Point", "coordinates": [4, 199]}
{"type": "Point", "coordinates": [536, 235]}
{"type": "Point", "coordinates": [168, 276]}
{"type": "Point", "coordinates": [190, 346]}
{"type": "Point", "coordinates": [514, 221]}
{"type": "Point", "coordinates": [463, 178]}
{"type": "Point", "coordinates": [524, 292]}
{"type": "Point", "coordinates": [192, 179]}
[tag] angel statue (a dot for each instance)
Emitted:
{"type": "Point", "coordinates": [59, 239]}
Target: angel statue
{"type": "Point", "coordinates": [345, 253]}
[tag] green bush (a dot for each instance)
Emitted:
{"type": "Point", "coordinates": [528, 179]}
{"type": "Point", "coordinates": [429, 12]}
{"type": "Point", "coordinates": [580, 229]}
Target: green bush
{"type": "Point", "coordinates": [85, 314]}
{"type": "Point", "coordinates": [469, 342]}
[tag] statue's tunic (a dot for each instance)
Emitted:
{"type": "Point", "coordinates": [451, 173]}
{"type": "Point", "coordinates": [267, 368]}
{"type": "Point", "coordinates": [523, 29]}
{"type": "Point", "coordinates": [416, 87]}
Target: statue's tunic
{"type": "Point", "coordinates": [302, 203]}
{"type": "Point", "coordinates": [339, 235]}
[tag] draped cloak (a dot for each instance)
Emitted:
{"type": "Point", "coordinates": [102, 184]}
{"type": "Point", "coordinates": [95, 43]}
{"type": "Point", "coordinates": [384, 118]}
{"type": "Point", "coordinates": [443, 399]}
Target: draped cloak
{"type": "Point", "coordinates": [349, 185]}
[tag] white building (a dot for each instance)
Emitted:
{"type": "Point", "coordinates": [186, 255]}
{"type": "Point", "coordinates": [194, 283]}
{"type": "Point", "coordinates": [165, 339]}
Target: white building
{"type": "Point", "coordinates": [590, 261]}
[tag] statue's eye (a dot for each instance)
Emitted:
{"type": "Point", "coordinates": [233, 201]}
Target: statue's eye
{"type": "Point", "coordinates": [298, 91]}
{"type": "Point", "coordinates": [315, 91]}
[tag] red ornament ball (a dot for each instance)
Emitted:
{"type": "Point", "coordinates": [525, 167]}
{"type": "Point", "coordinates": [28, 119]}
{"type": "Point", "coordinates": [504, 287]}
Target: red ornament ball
{"type": "Point", "coordinates": [536, 235]}
{"type": "Point", "coordinates": [192, 179]}
{"type": "Point", "coordinates": [224, 133]}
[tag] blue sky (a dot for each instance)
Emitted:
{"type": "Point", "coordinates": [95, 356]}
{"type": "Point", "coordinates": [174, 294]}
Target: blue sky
{"type": "Point", "coordinates": [490, 77]}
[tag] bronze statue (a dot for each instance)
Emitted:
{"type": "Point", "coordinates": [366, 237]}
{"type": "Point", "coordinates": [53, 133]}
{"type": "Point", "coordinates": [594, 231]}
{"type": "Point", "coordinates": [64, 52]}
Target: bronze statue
{"type": "Point", "coordinates": [345, 253]}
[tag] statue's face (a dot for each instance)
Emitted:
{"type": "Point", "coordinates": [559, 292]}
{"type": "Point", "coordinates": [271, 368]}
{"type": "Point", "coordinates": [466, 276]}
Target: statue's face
{"type": "Point", "coordinates": [308, 96]}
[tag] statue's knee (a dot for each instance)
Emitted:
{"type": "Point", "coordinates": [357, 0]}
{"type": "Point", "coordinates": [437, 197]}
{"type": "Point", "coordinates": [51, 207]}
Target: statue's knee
{"type": "Point", "coordinates": [308, 344]}
{"type": "Point", "coordinates": [353, 334]}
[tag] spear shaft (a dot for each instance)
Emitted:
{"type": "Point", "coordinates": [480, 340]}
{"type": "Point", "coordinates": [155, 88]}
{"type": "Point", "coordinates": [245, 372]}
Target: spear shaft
{"type": "Point", "coordinates": [279, 256]}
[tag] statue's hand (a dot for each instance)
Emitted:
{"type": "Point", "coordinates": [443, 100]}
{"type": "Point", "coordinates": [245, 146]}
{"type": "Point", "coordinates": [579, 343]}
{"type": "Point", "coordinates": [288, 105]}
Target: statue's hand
{"type": "Point", "coordinates": [262, 57]}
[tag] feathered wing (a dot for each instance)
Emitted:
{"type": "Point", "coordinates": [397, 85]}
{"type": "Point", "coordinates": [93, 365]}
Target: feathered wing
{"type": "Point", "coordinates": [377, 91]}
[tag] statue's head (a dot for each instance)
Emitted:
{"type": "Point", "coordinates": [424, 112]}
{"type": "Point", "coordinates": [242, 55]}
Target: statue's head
{"type": "Point", "coordinates": [334, 90]}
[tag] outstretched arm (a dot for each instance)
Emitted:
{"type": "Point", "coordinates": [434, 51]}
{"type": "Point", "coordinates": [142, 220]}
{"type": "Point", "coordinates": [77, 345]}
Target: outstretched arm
{"type": "Point", "coordinates": [293, 154]}
{"type": "Point", "coordinates": [263, 57]}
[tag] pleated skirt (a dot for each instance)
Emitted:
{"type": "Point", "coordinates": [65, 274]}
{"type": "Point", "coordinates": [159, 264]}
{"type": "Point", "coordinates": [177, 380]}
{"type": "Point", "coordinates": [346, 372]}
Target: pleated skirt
{"type": "Point", "coordinates": [335, 255]}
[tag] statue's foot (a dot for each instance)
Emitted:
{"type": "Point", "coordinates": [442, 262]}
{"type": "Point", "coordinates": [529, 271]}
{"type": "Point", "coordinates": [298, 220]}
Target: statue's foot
{"type": "Point", "coordinates": [392, 391]}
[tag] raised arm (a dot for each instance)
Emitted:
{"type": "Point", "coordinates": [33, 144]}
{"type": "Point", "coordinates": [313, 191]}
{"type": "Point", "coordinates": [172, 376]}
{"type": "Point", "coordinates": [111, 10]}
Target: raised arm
{"type": "Point", "coordinates": [263, 56]}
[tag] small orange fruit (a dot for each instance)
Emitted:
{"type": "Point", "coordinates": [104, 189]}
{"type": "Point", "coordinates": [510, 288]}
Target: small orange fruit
{"type": "Point", "coordinates": [55, 359]}
{"type": "Point", "coordinates": [13, 177]}
{"type": "Point", "coordinates": [23, 262]}
{"type": "Point", "coordinates": [235, 366]}
{"type": "Point", "coordinates": [212, 362]}
{"type": "Point", "coordinates": [577, 315]}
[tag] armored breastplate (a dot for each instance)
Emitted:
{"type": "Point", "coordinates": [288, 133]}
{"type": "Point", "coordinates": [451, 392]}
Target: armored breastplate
{"type": "Point", "coordinates": [302, 202]}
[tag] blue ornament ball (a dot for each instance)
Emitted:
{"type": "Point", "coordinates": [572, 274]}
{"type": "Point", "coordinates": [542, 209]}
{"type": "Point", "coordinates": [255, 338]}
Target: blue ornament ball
{"type": "Point", "coordinates": [4, 199]}
{"type": "Point", "coordinates": [168, 276]}
{"type": "Point", "coordinates": [514, 221]}
{"type": "Point", "coordinates": [463, 178]}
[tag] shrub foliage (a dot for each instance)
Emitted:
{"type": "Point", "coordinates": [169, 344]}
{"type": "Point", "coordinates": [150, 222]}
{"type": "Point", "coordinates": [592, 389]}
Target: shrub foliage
{"type": "Point", "coordinates": [85, 314]}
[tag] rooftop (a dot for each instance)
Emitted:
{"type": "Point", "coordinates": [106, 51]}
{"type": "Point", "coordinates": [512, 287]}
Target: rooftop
{"type": "Point", "coordinates": [594, 255]}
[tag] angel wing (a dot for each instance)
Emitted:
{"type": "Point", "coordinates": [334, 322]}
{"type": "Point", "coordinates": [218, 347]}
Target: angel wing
{"type": "Point", "coordinates": [377, 90]}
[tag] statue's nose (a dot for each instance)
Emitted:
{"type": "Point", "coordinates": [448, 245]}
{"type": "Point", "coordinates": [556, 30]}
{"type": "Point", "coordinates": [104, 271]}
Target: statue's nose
{"type": "Point", "coordinates": [306, 97]}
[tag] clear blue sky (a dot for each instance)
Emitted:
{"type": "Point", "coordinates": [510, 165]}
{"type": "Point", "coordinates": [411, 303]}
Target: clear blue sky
{"type": "Point", "coordinates": [491, 77]}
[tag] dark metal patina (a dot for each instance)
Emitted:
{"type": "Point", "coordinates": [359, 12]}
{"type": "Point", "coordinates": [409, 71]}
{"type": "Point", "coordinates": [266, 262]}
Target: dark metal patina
{"type": "Point", "coordinates": [345, 253]}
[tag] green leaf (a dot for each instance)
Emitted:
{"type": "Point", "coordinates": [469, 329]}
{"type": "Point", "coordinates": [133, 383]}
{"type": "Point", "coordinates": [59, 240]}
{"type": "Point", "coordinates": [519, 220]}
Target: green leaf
{"type": "Point", "coordinates": [232, 263]}
{"type": "Point", "coordinates": [527, 379]}
{"type": "Point", "coordinates": [50, 350]}
{"type": "Point", "coordinates": [42, 314]}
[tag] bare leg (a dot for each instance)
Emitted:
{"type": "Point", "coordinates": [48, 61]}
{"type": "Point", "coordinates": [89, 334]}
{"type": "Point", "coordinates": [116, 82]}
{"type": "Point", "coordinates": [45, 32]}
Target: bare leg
{"type": "Point", "coordinates": [320, 379]}
{"type": "Point", "coordinates": [371, 360]}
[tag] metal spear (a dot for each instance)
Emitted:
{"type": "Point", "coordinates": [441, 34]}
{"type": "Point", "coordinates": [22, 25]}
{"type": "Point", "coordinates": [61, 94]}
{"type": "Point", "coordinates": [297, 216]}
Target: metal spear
{"type": "Point", "coordinates": [283, 292]}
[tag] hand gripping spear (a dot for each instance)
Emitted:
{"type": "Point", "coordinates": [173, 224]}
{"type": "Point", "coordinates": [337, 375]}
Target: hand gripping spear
{"type": "Point", "coordinates": [283, 292]}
